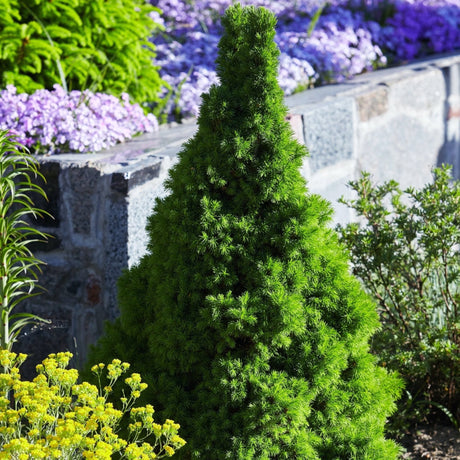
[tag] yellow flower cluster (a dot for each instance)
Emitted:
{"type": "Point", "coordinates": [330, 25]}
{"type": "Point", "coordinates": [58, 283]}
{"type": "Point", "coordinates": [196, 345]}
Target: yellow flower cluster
{"type": "Point", "coordinates": [54, 417]}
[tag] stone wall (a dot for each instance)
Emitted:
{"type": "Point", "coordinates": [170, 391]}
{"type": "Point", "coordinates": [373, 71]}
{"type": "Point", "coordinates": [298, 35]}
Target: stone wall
{"type": "Point", "coordinates": [395, 123]}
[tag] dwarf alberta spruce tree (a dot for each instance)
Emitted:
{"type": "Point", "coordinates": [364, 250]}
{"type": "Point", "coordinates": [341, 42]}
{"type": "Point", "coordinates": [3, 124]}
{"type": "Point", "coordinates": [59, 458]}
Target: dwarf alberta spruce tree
{"type": "Point", "coordinates": [243, 314]}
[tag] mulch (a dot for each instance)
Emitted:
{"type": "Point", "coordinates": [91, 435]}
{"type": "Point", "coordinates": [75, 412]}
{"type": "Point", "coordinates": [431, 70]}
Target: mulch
{"type": "Point", "coordinates": [434, 442]}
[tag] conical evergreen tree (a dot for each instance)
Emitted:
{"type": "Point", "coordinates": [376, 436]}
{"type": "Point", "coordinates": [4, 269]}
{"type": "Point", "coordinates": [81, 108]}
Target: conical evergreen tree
{"type": "Point", "coordinates": [243, 315]}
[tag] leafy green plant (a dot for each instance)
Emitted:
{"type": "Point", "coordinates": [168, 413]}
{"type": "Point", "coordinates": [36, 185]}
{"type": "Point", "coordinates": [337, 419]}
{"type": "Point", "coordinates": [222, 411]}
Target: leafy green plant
{"type": "Point", "coordinates": [243, 315]}
{"type": "Point", "coordinates": [18, 265]}
{"type": "Point", "coordinates": [315, 18]}
{"type": "Point", "coordinates": [53, 416]}
{"type": "Point", "coordinates": [406, 252]}
{"type": "Point", "coordinates": [96, 44]}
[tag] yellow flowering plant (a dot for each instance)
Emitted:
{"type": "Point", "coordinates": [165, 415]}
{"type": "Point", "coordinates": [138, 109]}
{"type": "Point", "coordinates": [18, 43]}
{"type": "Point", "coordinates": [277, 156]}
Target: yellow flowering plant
{"type": "Point", "coordinates": [53, 416]}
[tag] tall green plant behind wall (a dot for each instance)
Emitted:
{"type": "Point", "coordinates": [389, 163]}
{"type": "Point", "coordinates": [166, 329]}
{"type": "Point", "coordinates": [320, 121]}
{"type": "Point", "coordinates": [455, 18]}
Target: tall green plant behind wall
{"type": "Point", "coordinates": [243, 314]}
{"type": "Point", "coordinates": [96, 44]}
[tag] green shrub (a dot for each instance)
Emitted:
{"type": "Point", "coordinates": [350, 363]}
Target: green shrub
{"type": "Point", "coordinates": [406, 252]}
{"type": "Point", "coordinates": [19, 266]}
{"type": "Point", "coordinates": [97, 44]}
{"type": "Point", "coordinates": [54, 417]}
{"type": "Point", "coordinates": [243, 313]}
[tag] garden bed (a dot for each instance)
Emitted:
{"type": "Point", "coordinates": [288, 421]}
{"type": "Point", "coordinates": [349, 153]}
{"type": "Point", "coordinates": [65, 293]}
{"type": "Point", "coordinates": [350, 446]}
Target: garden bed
{"type": "Point", "coordinates": [397, 123]}
{"type": "Point", "coordinates": [434, 442]}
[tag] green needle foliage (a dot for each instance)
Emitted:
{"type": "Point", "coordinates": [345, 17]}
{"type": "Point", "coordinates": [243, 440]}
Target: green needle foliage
{"type": "Point", "coordinates": [406, 252]}
{"type": "Point", "coordinates": [18, 265]}
{"type": "Point", "coordinates": [243, 314]}
{"type": "Point", "coordinates": [97, 44]}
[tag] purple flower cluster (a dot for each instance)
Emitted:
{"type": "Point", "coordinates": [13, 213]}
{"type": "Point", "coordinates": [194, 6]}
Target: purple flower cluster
{"type": "Point", "coordinates": [340, 46]}
{"type": "Point", "coordinates": [421, 27]}
{"type": "Point", "coordinates": [57, 121]}
{"type": "Point", "coordinates": [351, 36]}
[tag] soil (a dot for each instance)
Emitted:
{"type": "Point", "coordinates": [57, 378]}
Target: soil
{"type": "Point", "coordinates": [434, 442]}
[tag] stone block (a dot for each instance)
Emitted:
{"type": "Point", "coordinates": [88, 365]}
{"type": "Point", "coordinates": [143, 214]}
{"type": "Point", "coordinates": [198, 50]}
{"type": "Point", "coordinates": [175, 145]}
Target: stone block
{"type": "Point", "coordinates": [332, 183]}
{"type": "Point", "coordinates": [136, 174]}
{"type": "Point", "coordinates": [53, 279]}
{"type": "Point", "coordinates": [84, 189]}
{"type": "Point", "coordinates": [51, 171]}
{"type": "Point", "coordinates": [93, 290]}
{"type": "Point", "coordinates": [309, 98]}
{"type": "Point", "coordinates": [81, 211]}
{"type": "Point", "coordinates": [83, 178]}
{"type": "Point", "coordinates": [296, 122]}
{"type": "Point", "coordinates": [142, 203]}
{"type": "Point", "coordinates": [329, 132]}
{"type": "Point", "coordinates": [87, 328]}
{"type": "Point", "coordinates": [40, 341]}
{"type": "Point", "coordinates": [422, 91]}
{"type": "Point", "coordinates": [51, 243]}
{"type": "Point", "coordinates": [115, 250]}
{"type": "Point", "coordinates": [373, 103]}
{"type": "Point", "coordinates": [404, 149]}
{"type": "Point", "coordinates": [450, 152]}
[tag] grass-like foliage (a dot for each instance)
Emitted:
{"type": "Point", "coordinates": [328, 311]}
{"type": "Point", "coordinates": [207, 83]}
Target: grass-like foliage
{"type": "Point", "coordinates": [54, 416]}
{"type": "Point", "coordinates": [243, 313]}
{"type": "Point", "coordinates": [406, 252]}
{"type": "Point", "coordinates": [80, 44]}
{"type": "Point", "coordinates": [18, 265]}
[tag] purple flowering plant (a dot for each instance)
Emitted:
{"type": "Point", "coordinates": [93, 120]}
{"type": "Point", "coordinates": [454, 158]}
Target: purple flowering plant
{"type": "Point", "coordinates": [350, 37]}
{"type": "Point", "coordinates": [347, 38]}
{"type": "Point", "coordinates": [421, 27]}
{"type": "Point", "coordinates": [77, 121]}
